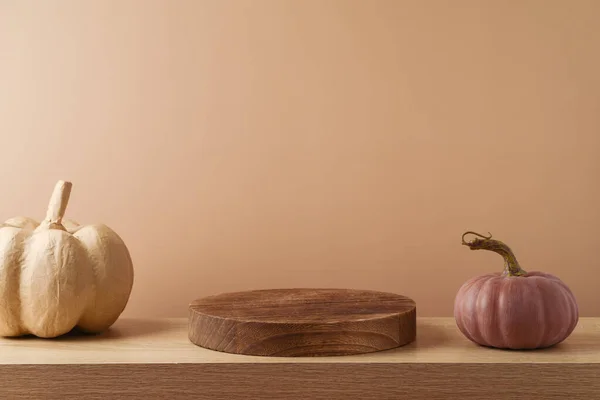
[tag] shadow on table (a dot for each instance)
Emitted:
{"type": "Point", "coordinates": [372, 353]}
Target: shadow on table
{"type": "Point", "coordinates": [428, 336]}
{"type": "Point", "coordinates": [123, 328]}
{"type": "Point", "coordinates": [577, 343]}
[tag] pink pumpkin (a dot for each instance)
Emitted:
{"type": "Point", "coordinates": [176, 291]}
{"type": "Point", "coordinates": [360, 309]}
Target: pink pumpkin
{"type": "Point", "coordinates": [514, 309]}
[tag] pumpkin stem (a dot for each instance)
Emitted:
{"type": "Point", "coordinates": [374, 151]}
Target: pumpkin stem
{"type": "Point", "coordinates": [511, 265]}
{"type": "Point", "coordinates": [57, 206]}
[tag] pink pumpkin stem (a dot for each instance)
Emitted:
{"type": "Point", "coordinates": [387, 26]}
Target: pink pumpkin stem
{"type": "Point", "coordinates": [511, 265]}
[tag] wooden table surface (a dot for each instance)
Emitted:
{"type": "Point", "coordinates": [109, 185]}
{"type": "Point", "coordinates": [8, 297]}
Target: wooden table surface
{"type": "Point", "coordinates": [145, 358]}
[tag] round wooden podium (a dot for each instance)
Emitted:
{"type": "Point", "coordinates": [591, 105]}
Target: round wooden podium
{"type": "Point", "coordinates": [302, 322]}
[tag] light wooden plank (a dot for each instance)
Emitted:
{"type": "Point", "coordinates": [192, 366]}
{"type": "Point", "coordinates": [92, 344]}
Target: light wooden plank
{"type": "Point", "coordinates": [153, 359]}
{"type": "Point", "coordinates": [142, 341]}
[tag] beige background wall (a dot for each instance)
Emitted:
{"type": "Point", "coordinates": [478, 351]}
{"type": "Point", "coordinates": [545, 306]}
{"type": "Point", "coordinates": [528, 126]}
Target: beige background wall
{"type": "Point", "coordinates": [254, 144]}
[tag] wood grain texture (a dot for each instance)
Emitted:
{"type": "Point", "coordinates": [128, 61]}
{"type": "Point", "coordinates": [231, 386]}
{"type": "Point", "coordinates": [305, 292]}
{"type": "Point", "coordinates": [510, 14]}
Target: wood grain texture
{"type": "Point", "coordinates": [153, 359]}
{"type": "Point", "coordinates": [302, 322]}
{"type": "Point", "coordinates": [291, 381]}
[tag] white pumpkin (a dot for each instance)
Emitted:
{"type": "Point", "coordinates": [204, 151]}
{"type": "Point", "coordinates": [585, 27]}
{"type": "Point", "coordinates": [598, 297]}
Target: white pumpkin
{"type": "Point", "coordinates": [57, 275]}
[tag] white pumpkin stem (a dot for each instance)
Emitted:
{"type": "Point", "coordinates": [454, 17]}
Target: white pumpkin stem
{"type": "Point", "coordinates": [57, 206]}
